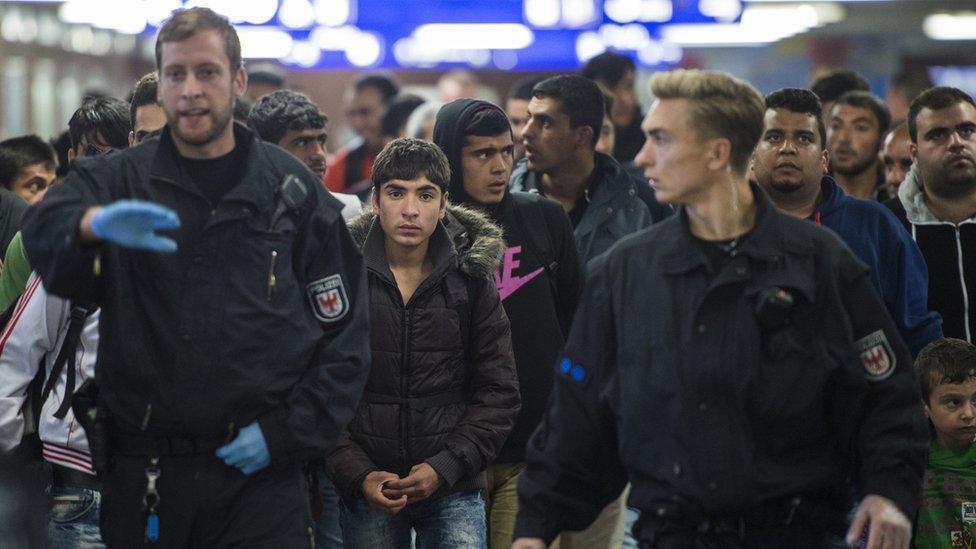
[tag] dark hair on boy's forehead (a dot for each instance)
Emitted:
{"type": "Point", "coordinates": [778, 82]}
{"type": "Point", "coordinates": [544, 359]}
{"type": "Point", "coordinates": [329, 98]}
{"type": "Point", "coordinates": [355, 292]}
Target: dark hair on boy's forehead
{"type": "Point", "coordinates": [407, 159]}
{"type": "Point", "coordinates": [942, 362]}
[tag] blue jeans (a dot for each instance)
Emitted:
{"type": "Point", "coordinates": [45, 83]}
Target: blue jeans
{"type": "Point", "coordinates": [328, 532]}
{"type": "Point", "coordinates": [453, 521]}
{"type": "Point", "coordinates": [74, 518]}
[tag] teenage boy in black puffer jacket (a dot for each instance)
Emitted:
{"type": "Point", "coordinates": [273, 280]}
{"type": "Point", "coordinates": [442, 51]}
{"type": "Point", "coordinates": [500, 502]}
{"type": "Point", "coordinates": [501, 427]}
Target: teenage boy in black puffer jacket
{"type": "Point", "coordinates": [442, 393]}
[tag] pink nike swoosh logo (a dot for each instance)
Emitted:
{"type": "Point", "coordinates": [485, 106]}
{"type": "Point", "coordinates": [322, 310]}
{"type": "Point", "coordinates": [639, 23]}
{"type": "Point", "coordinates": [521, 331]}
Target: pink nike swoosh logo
{"type": "Point", "coordinates": [509, 287]}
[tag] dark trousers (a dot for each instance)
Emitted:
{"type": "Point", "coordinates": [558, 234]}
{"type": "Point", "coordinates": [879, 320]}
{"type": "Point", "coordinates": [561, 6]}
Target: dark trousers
{"type": "Point", "coordinates": [204, 503]}
{"type": "Point", "coordinates": [793, 536]}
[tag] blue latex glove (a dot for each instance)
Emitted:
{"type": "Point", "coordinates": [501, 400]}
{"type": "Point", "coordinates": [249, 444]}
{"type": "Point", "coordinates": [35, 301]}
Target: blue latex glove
{"type": "Point", "coordinates": [133, 224]}
{"type": "Point", "coordinates": [248, 452]}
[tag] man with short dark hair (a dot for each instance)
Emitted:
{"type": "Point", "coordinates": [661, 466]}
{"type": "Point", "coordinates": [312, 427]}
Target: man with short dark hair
{"type": "Point", "coordinates": [291, 121]}
{"type": "Point", "coordinates": [442, 393]}
{"type": "Point", "coordinates": [790, 164]}
{"type": "Point", "coordinates": [101, 124]}
{"type": "Point", "coordinates": [262, 80]}
{"type": "Point", "coordinates": [539, 281]}
{"type": "Point", "coordinates": [516, 107]}
{"type": "Point", "coordinates": [146, 115]}
{"type": "Point", "coordinates": [615, 73]}
{"type": "Point", "coordinates": [937, 202]}
{"type": "Point", "coordinates": [905, 85]}
{"type": "Point", "coordinates": [734, 363]}
{"type": "Point", "coordinates": [27, 166]}
{"type": "Point", "coordinates": [896, 158]}
{"type": "Point", "coordinates": [366, 102]}
{"type": "Point", "coordinates": [834, 84]}
{"type": "Point", "coordinates": [856, 127]}
{"type": "Point", "coordinates": [395, 118]}
{"type": "Point", "coordinates": [232, 347]}
{"type": "Point", "coordinates": [26, 163]}
{"type": "Point", "coordinates": [96, 128]}
{"type": "Point", "coordinates": [602, 200]}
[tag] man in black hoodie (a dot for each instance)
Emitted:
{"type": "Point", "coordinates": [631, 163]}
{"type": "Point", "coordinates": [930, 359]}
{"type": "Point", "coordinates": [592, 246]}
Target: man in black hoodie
{"type": "Point", "coordinates": [539, 282]}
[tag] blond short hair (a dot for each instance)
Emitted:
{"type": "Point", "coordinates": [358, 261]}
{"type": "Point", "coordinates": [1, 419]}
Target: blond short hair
{"type": "Point", "coordinates": [722, 106]}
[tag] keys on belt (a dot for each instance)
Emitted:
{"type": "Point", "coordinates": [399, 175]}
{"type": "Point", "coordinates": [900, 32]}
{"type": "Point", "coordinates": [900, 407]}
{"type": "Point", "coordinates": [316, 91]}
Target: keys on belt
{"type": "Point", "coordinates": [151, 499]}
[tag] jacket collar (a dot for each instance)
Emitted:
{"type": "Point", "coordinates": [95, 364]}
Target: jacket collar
{"type": "Point", "coordinates": [479, 243]}
{"type": "Point", "coordinates": [610, 182]}
{"type": "Point", "coordinates": [832, 196]}
{"type": "Point", "coordinates": [912, 198]}
{"type": "Point", "coordinates": [763, 244]}
{"type": "Point", "coordinates": [257, 176]}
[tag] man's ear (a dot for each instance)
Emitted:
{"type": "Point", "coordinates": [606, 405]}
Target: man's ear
{"type": "Point", "coordinates": [444, 201]}
{"type": "Point", "coordinates": [719, 153]}
{"type": "Point", "coordinates": [913, 151]}
{"type": "Point", "coordinates": [240, 82]}
{"type": "Point", "coordinates": [825, 158]}
{"type": "Point", "coordinates": [132, 138]}
{"type": "Point", "coordinates": [585, 138]}
{"type": "Point", "coordinates": [71, 155]}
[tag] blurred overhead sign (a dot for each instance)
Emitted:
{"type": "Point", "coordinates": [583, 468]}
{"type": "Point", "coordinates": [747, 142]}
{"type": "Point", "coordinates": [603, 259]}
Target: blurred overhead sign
{"type": "Point", "coordinates": [500, 34]}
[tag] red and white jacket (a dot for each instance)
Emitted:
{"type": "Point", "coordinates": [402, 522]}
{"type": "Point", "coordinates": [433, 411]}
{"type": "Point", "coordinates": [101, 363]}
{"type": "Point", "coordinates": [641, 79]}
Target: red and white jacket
{"type": "Point", "coordinates": [35, 333]}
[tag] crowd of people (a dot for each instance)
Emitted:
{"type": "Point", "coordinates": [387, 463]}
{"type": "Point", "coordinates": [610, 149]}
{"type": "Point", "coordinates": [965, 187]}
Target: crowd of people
{"type": "Point", "coordinates": [728, 321]}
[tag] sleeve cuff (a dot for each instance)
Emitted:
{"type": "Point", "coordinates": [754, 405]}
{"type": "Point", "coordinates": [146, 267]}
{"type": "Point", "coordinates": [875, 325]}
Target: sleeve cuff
{"type": "Point", "coordinates": [274, 427]}
{"type": "Point", "coordinates": [903, 496]}
{"type": "Point", "coordinates": [448, 466]}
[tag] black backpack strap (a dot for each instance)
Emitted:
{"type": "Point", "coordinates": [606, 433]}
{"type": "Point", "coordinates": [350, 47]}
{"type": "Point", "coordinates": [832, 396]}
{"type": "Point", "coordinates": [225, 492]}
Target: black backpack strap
{"type": "Point", "coordinates": [67, 357]}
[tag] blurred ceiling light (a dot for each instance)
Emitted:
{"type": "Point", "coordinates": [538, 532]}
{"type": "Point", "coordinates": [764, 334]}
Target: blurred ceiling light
{"type": "Point", "coordinates": [578, 13]}
{"type": "Point", "coordinates": [365, 50]}
{"type": "Point", "coordinates": [333, 38]}
{"type": "Point", "coordinates": [588, 46]}
{"type": "Point", "coordinates": [488, 36]}
{"type": "Point", "coordinates": [264, 42]}
{"type": "Point", "coordinates": [759, 25]}
{"type": "Point", "coordinates": [624, 37]}
{"type": "Point", "coordinates": [645, 11]}
{"type": "Point", "coordinates": [950, 26]}
{"type": "Point", "coordinates": [333, 13]}
{"type": "Point", "coordinates": [723, 10]}
{"type": "Point", "coordinates": [118, 15]}
{"type": "Point", "coordinates": [296, 14]}
{"type": "Point", "coordinates": [542, 13]}
{"type": "Point", "coordinates": [505, 60]}
{"type": "Point", "coordinates": [304, 54]}
{"type": "Point", "coordinates": [157, 11]}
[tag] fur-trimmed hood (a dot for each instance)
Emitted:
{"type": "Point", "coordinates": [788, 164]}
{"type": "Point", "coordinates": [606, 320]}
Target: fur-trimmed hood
{"type": "Point", "coordinates": [478, 241]}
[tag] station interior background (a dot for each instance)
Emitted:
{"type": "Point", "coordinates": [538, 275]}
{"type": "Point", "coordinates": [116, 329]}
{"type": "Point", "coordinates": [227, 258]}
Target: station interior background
{"type": "Point", "coordinates": [53, 52]}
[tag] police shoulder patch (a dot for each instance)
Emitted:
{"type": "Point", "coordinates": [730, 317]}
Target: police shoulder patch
{"type": "Point", "coordinates": [876, 355]}
{"type": "Point", "coordinates": [328, 298]}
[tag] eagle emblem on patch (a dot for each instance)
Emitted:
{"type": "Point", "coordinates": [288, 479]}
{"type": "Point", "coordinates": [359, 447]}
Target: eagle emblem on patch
{"type": "Point", "coordinates": [876, 355]}
{"type": "Point", "coordinates": [328, 298]}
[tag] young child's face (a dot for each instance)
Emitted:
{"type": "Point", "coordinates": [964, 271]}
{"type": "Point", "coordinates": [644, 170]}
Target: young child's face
{"type": "Point", "coordinates": [952, 409]}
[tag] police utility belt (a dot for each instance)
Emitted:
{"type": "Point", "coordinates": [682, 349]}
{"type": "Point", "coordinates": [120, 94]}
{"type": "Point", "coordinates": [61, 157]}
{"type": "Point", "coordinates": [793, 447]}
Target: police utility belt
{"type": "Point", "coordinates": [782, 512]}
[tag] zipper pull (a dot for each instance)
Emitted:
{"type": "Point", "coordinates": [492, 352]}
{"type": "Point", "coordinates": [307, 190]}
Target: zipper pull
{"type": "Point", "coordinates": [272, 280]}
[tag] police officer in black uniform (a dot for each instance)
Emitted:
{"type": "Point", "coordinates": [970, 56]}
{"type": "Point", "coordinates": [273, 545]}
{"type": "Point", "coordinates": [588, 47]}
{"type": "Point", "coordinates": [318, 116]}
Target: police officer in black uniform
{"type": "Point", "coordinates": [234, 344]}
{"type": "Point", "coordinates": [735, 364]}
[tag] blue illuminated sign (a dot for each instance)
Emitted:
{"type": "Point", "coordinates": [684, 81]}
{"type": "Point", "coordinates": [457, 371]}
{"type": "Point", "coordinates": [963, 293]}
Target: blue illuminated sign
{"type": "Point", "coordinates": [499, 34]}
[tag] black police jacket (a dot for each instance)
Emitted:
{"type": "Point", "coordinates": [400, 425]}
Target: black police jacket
{"type": "Point", "coordinates": [675, 378]}
{"type": "Point", "coordinates": [200, 342]}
